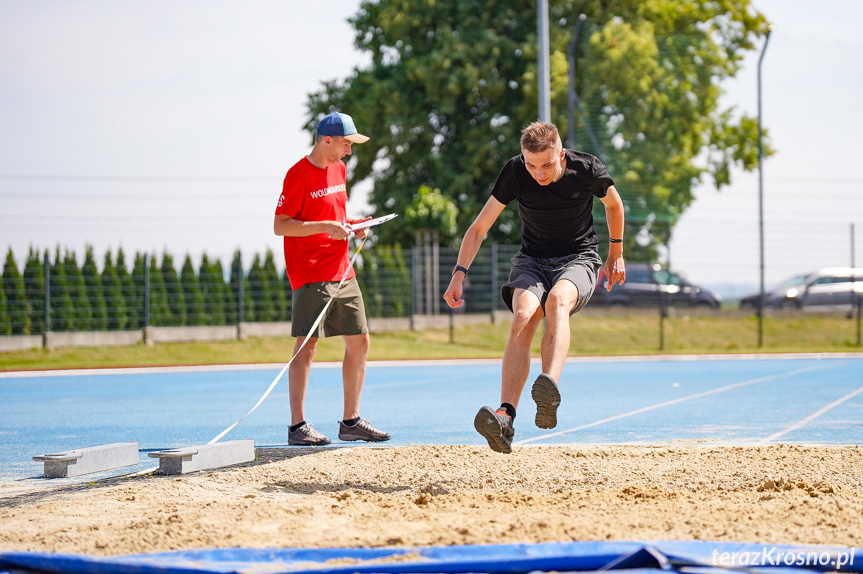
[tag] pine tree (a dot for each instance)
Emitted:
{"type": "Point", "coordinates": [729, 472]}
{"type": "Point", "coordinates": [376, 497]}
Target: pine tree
{"type": "Point", "coordinates": [132, 288]}
{"type": "Point", "coordinates": [114, 299]}
{"type": "Point", "coordinates": [62, 307]}
{"type": "Point", "coordinates": [81, 310]}
{"type": "Point", "coordinates": [274, 287]}
{"type": "Point", "coordinates": [224, 287]}
{"type": "Point", "coordinates": [16, 298]}
{"type": "Point", "coordinates": [95, 292]}
{"type": "Point", "coordinates": [288, 295]}
{"type": "Point", "coordinates": [192, 295]}
{"type": "Point", "coordinates": [34, 286]}
{"type": "Point", "coordinates": [176, 302]}
{"type": "Point", "coordinates": [160, 311]}
{"type": "Point", "coordinates": [5, 320]}
{"type": "Point", "coordinates": [237, 275]}
{"type": "Point", "coordinates": [259, 292]}
{"type": "Point", "coordinates": [214, 290]}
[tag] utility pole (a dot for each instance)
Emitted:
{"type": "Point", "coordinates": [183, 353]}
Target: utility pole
{"type": "Point", "coordinates": [761, 200]}
{"type": "Point", "coordinates": [571, 101]}
{"type": "Point", "coordinates": [544, 72]}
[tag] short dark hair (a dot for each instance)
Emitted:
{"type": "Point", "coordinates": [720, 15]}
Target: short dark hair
{"type": "Point", "coordinates": [539, 136]}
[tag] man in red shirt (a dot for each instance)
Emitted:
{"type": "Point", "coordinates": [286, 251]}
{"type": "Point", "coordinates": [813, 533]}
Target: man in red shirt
{"type": "Point", "coordinates": [311, 215]}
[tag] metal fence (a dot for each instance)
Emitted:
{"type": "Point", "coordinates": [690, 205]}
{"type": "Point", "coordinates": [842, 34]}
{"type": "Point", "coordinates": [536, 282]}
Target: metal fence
{"type": "Point", "coordinates": [59, 297]}
{"type": "Point", "coordinates": [395, 282]}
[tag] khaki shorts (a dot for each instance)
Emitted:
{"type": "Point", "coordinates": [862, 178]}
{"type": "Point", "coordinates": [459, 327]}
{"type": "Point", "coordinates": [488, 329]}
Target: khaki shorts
{"type": "Point", "coordinates": [346, 315]}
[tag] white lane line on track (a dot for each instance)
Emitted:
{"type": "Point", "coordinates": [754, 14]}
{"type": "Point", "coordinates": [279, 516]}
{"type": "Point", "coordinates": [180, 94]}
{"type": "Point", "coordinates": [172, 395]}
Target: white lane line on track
{"type": "Point", "coordinates": [676, 401]}
{"type": "Point", "coordinates": [811, 417]}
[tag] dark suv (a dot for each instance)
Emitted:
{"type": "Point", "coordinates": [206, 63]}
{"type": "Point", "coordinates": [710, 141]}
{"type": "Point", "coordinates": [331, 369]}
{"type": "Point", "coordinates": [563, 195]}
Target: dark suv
{"type": "Point", "coordinates": [645, 285]}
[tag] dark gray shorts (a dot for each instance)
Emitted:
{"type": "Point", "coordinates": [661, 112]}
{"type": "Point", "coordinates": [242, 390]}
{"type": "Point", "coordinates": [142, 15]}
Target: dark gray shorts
{"type": "Point", "coordinates": [539, 274]}
{"type": "Point", "coordinates": [346, 315]}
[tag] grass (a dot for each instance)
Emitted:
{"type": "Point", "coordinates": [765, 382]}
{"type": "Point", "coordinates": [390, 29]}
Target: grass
{"type": "Point", "coordinates": [593, 333]}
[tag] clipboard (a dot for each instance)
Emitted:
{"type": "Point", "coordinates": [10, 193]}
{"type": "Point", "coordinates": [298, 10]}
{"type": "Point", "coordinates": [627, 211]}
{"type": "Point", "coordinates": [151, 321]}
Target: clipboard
{"type": "Point", "coordinates": [371, 222]}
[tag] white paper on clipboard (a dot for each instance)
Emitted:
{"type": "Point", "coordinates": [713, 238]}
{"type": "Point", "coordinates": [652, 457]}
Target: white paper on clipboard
{"type": "Point", "coordinates": [371, 222]}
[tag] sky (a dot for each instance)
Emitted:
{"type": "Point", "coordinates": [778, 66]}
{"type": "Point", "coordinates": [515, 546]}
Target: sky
{"type": "Point", "coordinates": [169, 125]}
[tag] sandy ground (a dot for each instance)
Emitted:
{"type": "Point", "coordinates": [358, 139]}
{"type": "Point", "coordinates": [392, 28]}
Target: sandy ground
{"type": "Point", "coordinates": [442, 495]}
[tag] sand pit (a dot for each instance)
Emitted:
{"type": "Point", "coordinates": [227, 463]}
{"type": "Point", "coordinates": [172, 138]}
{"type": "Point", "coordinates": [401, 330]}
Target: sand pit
{"type": "Point", "coordinates": [443, 495]}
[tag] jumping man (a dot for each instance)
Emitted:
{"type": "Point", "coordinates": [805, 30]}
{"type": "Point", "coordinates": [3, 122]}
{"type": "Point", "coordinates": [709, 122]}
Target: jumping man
{"type": "Point", "coordinates": [554, 272]}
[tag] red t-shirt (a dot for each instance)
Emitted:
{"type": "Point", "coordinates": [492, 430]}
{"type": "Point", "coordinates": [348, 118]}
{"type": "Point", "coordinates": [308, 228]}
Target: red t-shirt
{"type": "Point", "coordinates": [314, 194]}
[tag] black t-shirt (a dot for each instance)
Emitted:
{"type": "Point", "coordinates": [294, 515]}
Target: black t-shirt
{"type": "Point", "coordinates": [556, 219]}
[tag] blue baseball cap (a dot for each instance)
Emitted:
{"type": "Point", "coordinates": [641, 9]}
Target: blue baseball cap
{"type": "Point", "coordinates": [338, 124]}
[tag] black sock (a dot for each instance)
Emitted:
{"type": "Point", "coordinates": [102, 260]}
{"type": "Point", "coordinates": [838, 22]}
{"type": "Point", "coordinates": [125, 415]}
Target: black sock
{"type": "Point", "coordinates": [510, 410]}
{"type": "Point", "coordinates": [351, 422]}
{"type": "Point", "coordinates": [296, 426]}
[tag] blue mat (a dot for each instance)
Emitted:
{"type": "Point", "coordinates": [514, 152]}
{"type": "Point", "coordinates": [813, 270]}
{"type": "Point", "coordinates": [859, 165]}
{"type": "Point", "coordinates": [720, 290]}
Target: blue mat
{"type": "Point", "coordinates": [635, 557]}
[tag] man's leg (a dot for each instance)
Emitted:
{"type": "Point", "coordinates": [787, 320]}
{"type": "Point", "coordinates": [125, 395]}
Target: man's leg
{"type": "Point", "coordinates": [354, 372]}
{"type": "Point", "coordinates": [555, 345]}
{"type": "Point", "coordinates": [352, 427]}
{"type": "Point", "coordinates": [298, 377]}
{"type": "Point", "coordinates": [555, 342]}
{"type": "Point", "coordinates": [527, 315]}
{"type": "Point", "coordinates": [496, 425]}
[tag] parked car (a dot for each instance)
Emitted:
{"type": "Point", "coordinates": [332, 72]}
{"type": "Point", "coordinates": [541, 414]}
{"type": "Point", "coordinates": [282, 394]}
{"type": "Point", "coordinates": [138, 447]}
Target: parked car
{"type": "Point", "coordinates": [828, 288]}
{"type": "Point", "coordinates": [645, 285]}
{"type": "Point", "coordinates": [775, 296]}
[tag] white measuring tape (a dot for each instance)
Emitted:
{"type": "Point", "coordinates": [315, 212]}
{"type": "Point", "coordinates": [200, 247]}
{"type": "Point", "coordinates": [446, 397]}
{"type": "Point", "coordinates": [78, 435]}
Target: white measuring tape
{"type": "Point", "coordinates": [285, 368]}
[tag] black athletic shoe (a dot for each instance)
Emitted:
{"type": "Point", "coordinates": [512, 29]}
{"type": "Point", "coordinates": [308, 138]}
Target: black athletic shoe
{"type": "Point", "coordinates": [547, 398]}
{"type": "Point", "coordinates": [496, 427]}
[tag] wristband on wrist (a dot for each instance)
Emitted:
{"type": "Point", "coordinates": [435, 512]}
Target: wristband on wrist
{"type": "Point", "coordinates": [610, 240]}
{"type": "Point", "coordinates": [460, 268]}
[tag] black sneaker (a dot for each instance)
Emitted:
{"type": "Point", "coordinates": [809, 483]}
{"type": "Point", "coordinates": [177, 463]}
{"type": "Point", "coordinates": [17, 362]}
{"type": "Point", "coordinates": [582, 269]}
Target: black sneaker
{"type": "Point", "coordinates": [547, 398]}
{"type": "Point", "coordinates": [496, 428]}
{"type": "Point", "coordinates": [306, 435]}
{"type": "Point", "coordinates": [363, 430]}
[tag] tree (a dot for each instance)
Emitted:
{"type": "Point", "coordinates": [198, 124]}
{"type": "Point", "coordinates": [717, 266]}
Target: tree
{"type": "Point", "coordinates": [369, 280]}
{"type": "Point", "coordinates": [259, 292]}
{"type": "Point", "coordinates": [174, 292]}
{"type": "Point", "coordinates": [233, 303]}
{"type": "Point", "coordinates": [451, 84]}
{"type": "Point", "coordinates": [95, 292]}
{"type": "Point", "coordinates": [192, 294]}
{"type": "Point", "coordinates": [275, 287]}
{"type": "Point", "coordinates": [82, 313]}
{"type": "Point", "coordinates": [62, 307]}
{"type": "Point", "coordinates": [135, 289]}
{"type": "Point", "coordinates": [16, 299]}
{"type": "Point", "coordinates": [213, 290]}
{"type": "Point", "coordinates": [432, 211]}
{"type": "Point", "coordinates": [5, 319]}
{"type": "Point", "coordinates": [160, 310]}
{"type": "Point", "coordinates": [115, 301]}
{"type": "Point", "coordinates": [34, 286]}
{"type": "Point", "coordinates": [287, 292]}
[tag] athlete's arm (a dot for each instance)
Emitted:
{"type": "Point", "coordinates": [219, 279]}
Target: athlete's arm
{"type": "Point", "coordinates": [615, 269]}
{"type": "Point", "coordinates": [469, 247]}
{"type": "Point", "coordinates": [290, 227]}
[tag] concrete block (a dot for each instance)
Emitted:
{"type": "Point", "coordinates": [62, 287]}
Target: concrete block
{"type": "Point", "coordinates": [88, 460]}
{"type": "Point", "coordinates": [203, 457]}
